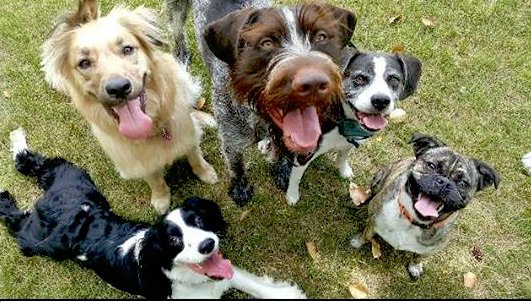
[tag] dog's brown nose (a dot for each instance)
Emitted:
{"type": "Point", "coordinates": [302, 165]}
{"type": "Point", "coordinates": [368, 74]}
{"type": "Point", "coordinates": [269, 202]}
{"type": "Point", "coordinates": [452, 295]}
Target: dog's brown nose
{"type": "Point", "coordinates": [311, 82]}
{"type": "Point", "coordinates": [118, 87]}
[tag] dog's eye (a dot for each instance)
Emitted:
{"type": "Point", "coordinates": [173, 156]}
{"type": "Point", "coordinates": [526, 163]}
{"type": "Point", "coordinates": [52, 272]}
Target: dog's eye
{"type": "Point", "coordinates": [432, 166]}
{"type": "Point", "coordinates": [267, 43]}
{"type": "Point", "coordinates": [360, 80]}
{"type": "Point", "coordinates": [394, 81]}
{"type": "Point", "coordinates": [127, 50]}
{"type": "Point", "coordinates": [320, 36]}
{"type": "Point", "coordinates": [198, 221]}
{"type": "Point", "coordinates": [176, 241]}
{"type": "Point", "coordinates": [84, 64]}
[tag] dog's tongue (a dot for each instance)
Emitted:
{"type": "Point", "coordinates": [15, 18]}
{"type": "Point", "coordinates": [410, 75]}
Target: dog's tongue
{"type": "Point", "coordinates": [214, 267]}
{"type": "Point", "coordinates": [134, 123]}
{"type": "Point", "coordinates": [373, 121]}
{"type": "Point", "coordinates": [427, 206]}
{"type": "Point", "coordinates": [302, 126]}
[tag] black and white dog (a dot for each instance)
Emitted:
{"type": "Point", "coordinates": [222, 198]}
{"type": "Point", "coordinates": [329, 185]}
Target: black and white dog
{"type": "Point", "coordinates": [179, 257]}
{"type": "Point", "coordinates": [373, 83]}
{"type": "Point", "coordinates": [274, 74]}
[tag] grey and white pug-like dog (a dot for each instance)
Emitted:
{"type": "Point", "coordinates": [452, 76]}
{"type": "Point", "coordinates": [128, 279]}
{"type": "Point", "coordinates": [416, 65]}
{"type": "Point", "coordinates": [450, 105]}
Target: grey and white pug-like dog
{"type": "Point", "coordinates": [414, 202]}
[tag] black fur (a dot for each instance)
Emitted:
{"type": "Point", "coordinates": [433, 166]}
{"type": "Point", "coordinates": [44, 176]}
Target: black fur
{"type": "Point", "coordinates": [73, 219]}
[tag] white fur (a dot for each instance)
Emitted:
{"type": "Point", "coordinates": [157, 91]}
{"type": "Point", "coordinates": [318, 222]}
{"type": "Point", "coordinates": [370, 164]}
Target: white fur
{"type": "Point", "coordinates": [331, 140]}
{"type": "Point", "coordinates": [132, 241]}
{"type": "Point", "coordinates": [415, 269]}
{"type": "Point", "coordinates": [18, 142]}
{"type": "Point", "coordinates": [526, 160]}
{"type": "Point", "coordinates": [378, 86]}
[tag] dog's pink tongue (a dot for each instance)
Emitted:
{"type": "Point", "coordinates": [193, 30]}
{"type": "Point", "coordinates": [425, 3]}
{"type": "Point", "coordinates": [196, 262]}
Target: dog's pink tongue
{"type": "Point", "coordinates": [302, 125]}
{"type": "Point", "coordinates": [215, 267]}
{"type": "Point", "coordinates": [427, 207]}
{"type": "Point", "coordinates": [134, 123]}
{"type": "Point", "coordinates": [373, 121]}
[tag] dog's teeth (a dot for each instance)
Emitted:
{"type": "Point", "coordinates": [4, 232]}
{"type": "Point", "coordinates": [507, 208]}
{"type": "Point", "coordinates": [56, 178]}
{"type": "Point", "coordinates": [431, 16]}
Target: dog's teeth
{"type": "Point", "coordinates": [440, 208]}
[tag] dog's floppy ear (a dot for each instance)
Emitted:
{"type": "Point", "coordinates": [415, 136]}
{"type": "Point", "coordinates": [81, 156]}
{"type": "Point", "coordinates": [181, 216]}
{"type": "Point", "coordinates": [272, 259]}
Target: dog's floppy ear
{"type": "Point", "coordinates": [412, 68]}
{"type": "Point", "coordinates": [348, 56]}
{"type": "Point", "coordinates": [347, 22]}
{"type": "Point", "coordinates": [487, 175]}
{"type": "Point", "coordinates": [87, 10]}
{"type": "Point", "coordinates": [222, 36]}
{"type": "Point", "coordinates": [422, 143]}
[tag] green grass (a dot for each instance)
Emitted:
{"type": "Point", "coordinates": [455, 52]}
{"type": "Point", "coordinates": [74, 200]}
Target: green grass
{"type": "Point", "coordinates": [474, 94]}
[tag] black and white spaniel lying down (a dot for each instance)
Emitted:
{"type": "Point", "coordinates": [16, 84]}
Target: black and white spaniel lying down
{"type": "Point", "coordinates": [178, 257]}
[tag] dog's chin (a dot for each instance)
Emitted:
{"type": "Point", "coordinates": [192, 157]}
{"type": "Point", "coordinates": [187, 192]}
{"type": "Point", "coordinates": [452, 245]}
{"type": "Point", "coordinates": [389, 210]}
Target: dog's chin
{"type": "Point", "coordinates": [427, 207]}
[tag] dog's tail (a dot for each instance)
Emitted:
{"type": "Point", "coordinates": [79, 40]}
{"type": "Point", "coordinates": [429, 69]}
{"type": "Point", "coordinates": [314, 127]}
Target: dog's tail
{"type": "Point", "coordinates": [177, 12]}
{"type": "Point", "coordinates": [9, 212]}
{"type": "Point", "coordinates": [31, 163]}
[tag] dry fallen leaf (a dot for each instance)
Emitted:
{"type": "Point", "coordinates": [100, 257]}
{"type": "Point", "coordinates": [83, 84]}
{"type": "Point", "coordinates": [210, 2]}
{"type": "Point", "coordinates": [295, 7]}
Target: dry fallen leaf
{"type": "Point", "coordinates": [200, 103]}
{"type": "Point", "coordinates": [378, 138]}
{"type": "Point", "coordinates": [428, 22]}
{"type": "Point", "coordinates": [312, 250]}
{"type": "Point", "coordinates": [395, 19]}
{"type": "Point", "coordinates": [7, 95]}
{"type": "Point", "coordinates": [397, 116]}
{"type": "Point", "coordinates": [375, 248]}
{"type": "Point", "coordinates": [357, 194]}
{"type": "Point", "coordinates": [398, 48]}
{"type": "Point", "coordinates": [470, 280]}
{"type": "Point", "coordinates": [244, 215]}
{"type": "Point", "coordinates": [477, 253]}
{"type": "Point", "coordinates": [358, 290]}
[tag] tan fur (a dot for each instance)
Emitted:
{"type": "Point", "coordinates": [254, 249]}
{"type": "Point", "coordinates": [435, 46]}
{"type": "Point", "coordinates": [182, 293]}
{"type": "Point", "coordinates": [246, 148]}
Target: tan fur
{"type": "Point", "coordinates": [170, 92]}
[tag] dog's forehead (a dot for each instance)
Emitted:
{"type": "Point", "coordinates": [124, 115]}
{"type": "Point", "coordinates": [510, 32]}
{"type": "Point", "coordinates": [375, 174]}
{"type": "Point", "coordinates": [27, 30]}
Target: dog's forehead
{"type": "Point", "coordinates": [374, 63]}
{"type": "Point", "coordinates": [101, 33]}
{"type": "Point", "coordinates": [453, 160]}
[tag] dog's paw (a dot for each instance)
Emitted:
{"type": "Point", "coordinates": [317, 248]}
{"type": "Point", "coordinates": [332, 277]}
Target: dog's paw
{"type": "Point", "coordinates": [18, 141]}
{"type": "Point", "coordinates": [241, 192]}
{"type": "Point", "coordinates": [208, 175]}
{"type": "Point", "coordinates": [357, 241]}
{"type": "Point", "coordinates": [161, 205]}
{"type": "Point", "coordinates": [415, 271]}
{"type": "Point", "coordinates": [203, 119]}
{"type": "Point", "coordinates": [267, 148]}
{"type": "Point", "coordinates": [526, 160]}
{"type": "Point", "coordinates": [293, 198]}
{"type": "Point", "coordinates": [346, 171]}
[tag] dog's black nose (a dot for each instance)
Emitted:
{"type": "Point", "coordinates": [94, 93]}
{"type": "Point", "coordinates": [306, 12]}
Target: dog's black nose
{"type": "Point", "coordinates": [118, 87]}
{"type": "Point", "coordinates": [380, 102]}
{"type": "Point", "coordinates": [207, 246]}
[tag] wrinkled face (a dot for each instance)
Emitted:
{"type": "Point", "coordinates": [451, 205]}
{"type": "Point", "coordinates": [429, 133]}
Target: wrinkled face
{"type": "Point", "coordinates": [108, 62]}
{"type": "Point", "coordinates": [441, 181]}
{"type": "Point", "coordinates": [374, 83]}
{"type": "Point", "coordinates": [284, 63]}
{"type": "Point", "coordinates": [191, 237]}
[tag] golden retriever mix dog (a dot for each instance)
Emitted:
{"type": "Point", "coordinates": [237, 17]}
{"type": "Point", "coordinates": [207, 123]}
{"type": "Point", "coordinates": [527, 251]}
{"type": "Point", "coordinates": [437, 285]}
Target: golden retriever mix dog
{"type": "Point", "coordinates": [138, 100]}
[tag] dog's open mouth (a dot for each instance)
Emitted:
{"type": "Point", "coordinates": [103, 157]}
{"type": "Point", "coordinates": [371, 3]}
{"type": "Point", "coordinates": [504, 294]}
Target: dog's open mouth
{"type": "Point", "coordinates": [132, 119]}
{"type": "Point", "coordinates": [426, 206]}
{"type": "Point", "coordinates": [371, 122]}
{"type": "Point", "coordinates": [215, 267]}
{"type": "Point", "coordinates": [301, 128]}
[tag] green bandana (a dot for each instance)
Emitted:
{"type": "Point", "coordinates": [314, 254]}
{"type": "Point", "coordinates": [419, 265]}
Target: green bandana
{"type": "Point", "coordinates": [353, 131]}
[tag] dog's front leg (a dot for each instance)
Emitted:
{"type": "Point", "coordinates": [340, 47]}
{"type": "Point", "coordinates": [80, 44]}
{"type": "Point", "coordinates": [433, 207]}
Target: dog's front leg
{"type": "Point", "coordinates": [359, 240]}
{"type": "Point", "coordinates": [414, 267]}
{"type": "Point", "coordinates": [264, 287]}
{"type": "Point", "coordinates": [293, 195]}
{"type": "Point", "coordinates": [342, 165]}
{"type": "Point", "coordinates": [240, 190]}
{"type": "Point", "coordinates": [160, 192]}
{"type": "Point", "coordinates": [200, 166]}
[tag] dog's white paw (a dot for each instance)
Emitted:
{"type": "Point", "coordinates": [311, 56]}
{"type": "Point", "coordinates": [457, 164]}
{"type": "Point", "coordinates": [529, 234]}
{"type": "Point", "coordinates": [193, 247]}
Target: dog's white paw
{"type": "Point", "coordinates": [161, 205]}
{"type": "Point", "coordinates": [292, 198]}
{"type": "Point", "coordinates": [346, 171]}
{"type": "Point", "coordinates": [18, 141]}
{"type": "Point", "coordinates": [208, 175]}
{"type": "Point", "coordinates": [415, 270]}
{"type": "Point", "coordinates": [526, 160]}
{"type": "Point", "coordinates": [203, 119]}
{"type": "Point", "coordinates": [357, 241]}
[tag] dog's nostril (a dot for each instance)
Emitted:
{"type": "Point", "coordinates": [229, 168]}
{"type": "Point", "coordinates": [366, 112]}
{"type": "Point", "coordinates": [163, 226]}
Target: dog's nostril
{"type": "Point", "coordinates": [439, 181]}
{"type": "Point", "coordinates": [380, 102]}
{"type": "Point", "coordinates": [207, 246]}
{"type": "Point", "coordinates": [118, 87]}
{"type": "Point", "coordinates": [306, 83]}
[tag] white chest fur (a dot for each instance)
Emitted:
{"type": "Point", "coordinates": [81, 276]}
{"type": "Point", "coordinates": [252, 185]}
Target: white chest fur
{"type": "Point", "coordinates": [398, 231]}
{"type": "Point", "coordinates": [189, 285]}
